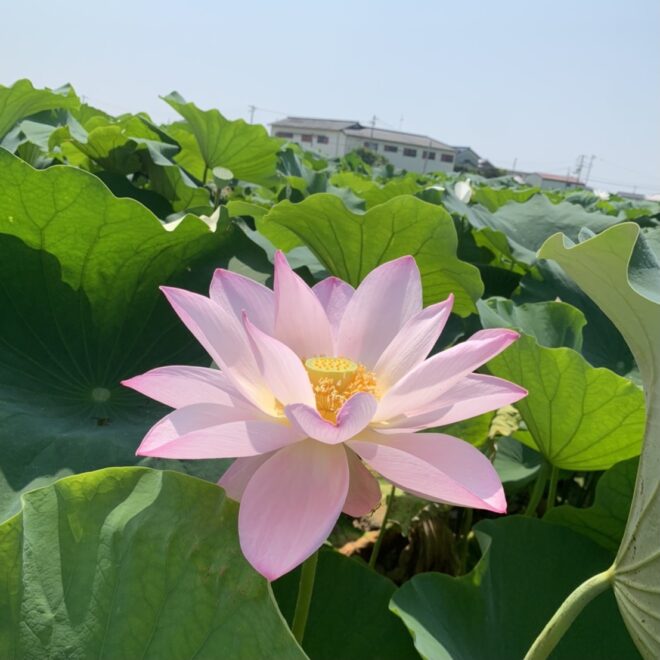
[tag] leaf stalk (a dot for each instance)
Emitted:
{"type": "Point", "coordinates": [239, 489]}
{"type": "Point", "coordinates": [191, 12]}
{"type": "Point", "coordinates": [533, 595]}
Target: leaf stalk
{"type": "Point", "coordinates": [568, 611]}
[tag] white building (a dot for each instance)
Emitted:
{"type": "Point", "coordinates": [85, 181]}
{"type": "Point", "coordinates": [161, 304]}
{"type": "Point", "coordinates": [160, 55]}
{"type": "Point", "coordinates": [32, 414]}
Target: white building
{"type": "Point", "coordinates": [551, 181]}
{"type": "Point", "coordinates": [467, 159]}
{"type": "Point", "coordinates": [333, 138]}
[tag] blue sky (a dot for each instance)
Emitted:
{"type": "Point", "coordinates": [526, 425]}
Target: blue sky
{"type": "Point", "coordinates": [539, 81]}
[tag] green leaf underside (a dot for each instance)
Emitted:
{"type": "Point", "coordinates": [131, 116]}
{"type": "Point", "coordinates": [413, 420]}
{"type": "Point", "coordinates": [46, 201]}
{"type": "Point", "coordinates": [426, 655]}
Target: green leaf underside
{"type": "Point", "coordinates": [133, 563]}
{"type": "Point", "coordinates": [349, 616]}
{"type": "Point", "coordinates": [579, 417]}
{"type": "Point", "coordinates": [603, 345]}
{"type": "Point", "coordinates": [22, 100]}
{"type": "Point", "coordinates": [493, 198]}
{"type": "Point", "coordinates": [495, 611]}
{"type": "Point", "coordinates": [618, 271]}
{"type": "Point", "coordinates": [605, 520]}
{"type": "Point", "coordinates": [350, 245]}
{"type": "Point", "coordinates": [515, 462]}
{"type": "Point", "coordinates": [79, 274]}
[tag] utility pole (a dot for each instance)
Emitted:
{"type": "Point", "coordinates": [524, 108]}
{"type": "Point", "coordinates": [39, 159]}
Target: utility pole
{"type": "Point", "coordinates": [515, 162]}
{"type": "Point", "coordinates": [591, 162]}
{"type": "Point", "coordinates": [373, 124]}
{"type": "Point", "coordinates": [579, 165]}
{"type": "Point", "coordinates": [252, 108]}
{"type": "Point", "coordinates": [401, 122]}
{"type": "Point", "coordinates": [426, 160]}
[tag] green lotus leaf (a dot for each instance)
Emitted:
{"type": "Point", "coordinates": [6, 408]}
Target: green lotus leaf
{"type": "Point", "coordinates": [23, 100]}
{"type": "Point", "coordinates": [245, 149]}
{"type": "Point", "coordinates": [80, 271]}
{"type": "Point", "coordinates": [552, 324]}
{"type": "Point", "coordinates": [350, 245]}
{"type": "Point", "coordinates": [527, 568]}
{"type": "Point", "coordinates": [578, 417]}
{"type": "Point", "coordinates": [133, 563]}
{"type": "Point", "coordinates": [622, 276]}
{"type": "Point", "coordinates": [605, 520]}
{"type": "Point", "coordinates": [349, 615]}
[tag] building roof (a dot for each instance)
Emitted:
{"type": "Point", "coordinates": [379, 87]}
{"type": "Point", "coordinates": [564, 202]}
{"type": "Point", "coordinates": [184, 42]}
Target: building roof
{"type": "Point", "coordinates": [356, 129]}
{"type": "Point", "coordinates": [459, 149]}
{"type": "Point", "coordinates": [398, 137]}
{"type": "Point", "coordinates": [559, 177]}
{"type": "Point", "coordinates": [320, 124]}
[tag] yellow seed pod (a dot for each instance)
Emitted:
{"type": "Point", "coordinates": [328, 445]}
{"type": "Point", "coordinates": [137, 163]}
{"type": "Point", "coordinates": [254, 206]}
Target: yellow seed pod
{"type": "Point", "coordinates": [340, 370]}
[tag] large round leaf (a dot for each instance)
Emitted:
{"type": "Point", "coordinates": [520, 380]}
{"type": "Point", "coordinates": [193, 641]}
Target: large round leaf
{"type": "Point", "coordinates": [22, 100]}
{"type": "Point", "coordinates": [210, 140]}
{"type": "Point", "coordinates": [495, 611]}
{"type": "Point", "coordinates": [80, 271]}
{"type": "Point", "coordinates": [349, 616]}
{"type": "Point", "coordinates": [552, 324]}
{"type": "Point", "coordinates": [133, 563]}
{"type": "Point", "coordinates": [528, 224]}
{"type": "Point", "coordinates": [605, 520]}
{"type": "Point", "coordinates": [579, 417]}
{"type": "Point", "coordinates": [350, 245]}
{"type": "Point", "coordinates": [622, 275]}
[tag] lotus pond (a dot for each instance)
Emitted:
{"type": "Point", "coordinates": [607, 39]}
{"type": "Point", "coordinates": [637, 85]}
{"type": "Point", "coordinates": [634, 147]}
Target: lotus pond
{"type": "Point", "coordinates": [432, 401]}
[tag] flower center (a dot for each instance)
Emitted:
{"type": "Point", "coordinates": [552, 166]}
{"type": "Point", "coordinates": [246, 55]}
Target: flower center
{"type": "Point", "coordinates": [335, 380]}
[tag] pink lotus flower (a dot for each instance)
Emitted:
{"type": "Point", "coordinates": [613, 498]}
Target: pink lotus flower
{"type": "Point", "coordinates": [314, 384]}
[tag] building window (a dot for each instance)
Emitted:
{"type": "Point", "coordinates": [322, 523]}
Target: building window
{"type": "Point", "coordinates": [391, 148]}
{"type": "Point", "coordinates": [283, 134]}
{"type": "Point", "coordinates": [447, 158]}
{"type": "Point", "coordinates": [429, 155]}
{"type": "Point", "coordinates": [410, 152]}
{"type": "Point", "coordinates": [322, 139]}
{"type": "Point", "coordinates": [307, 138]}
{"type": "Point", "coordinates": [371, 145]}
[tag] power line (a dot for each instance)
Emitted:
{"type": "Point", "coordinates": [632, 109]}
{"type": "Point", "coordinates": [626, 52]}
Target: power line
{"type": "Point", "coordinates": [653, 187]}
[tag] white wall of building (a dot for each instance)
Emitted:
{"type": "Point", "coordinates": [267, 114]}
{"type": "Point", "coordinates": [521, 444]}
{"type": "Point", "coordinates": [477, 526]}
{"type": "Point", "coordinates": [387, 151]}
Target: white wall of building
{"type": "Point", "coordinates": [334, 148]}
{"type": "Point", "coordinates": [338, 144]}
{"type": "Point", "coordinates": [548, 184]}
{"type": "Point", "coordinates": [398, 158]}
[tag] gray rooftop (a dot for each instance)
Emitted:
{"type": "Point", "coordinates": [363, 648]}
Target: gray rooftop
{"type": "Point", "coordinates": [320, 124]}
{"type": "Point", "coordinates": [398, 137]}
{"type": "Point", "coordinates": [356, 129]}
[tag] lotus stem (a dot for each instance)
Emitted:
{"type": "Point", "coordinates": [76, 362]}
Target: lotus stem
{"type": "Point", "coordinates": [464, 535]}
{"type": "Point", "coordinates": [552, 489]}
{"type": "Point", "coordinates": [567, 613]}
{"type": "Point", "coordinates": [537, 491]}
{"type": "Point", "coordinates": [381, 533]}
{"type": "Point", "coordinates": [305, 590]}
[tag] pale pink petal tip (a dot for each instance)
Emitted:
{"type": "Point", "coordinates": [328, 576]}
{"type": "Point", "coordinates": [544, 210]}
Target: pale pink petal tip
{"type": "Point", "coordinates": [434, 466]}
{"type": "Point", "coordinates": [290, 506]}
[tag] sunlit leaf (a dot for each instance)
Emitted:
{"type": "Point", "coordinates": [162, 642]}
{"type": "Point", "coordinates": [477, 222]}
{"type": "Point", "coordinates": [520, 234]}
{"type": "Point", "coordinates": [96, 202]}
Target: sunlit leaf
{"type": "Point", "coordinates": [350, 245]}
{"type": "Point", "coordinates": [578, 417]}
{"type": "Point", "coordinates": [80, 271]}
{"type": "Point", "coordinates": [22, 100]}
{"type": "Point", "coordinates": [622, 276]}
{"type": "Point", "coordinates": [245, 149]}
{"type": "Point", "coordinates": [133, 563]}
